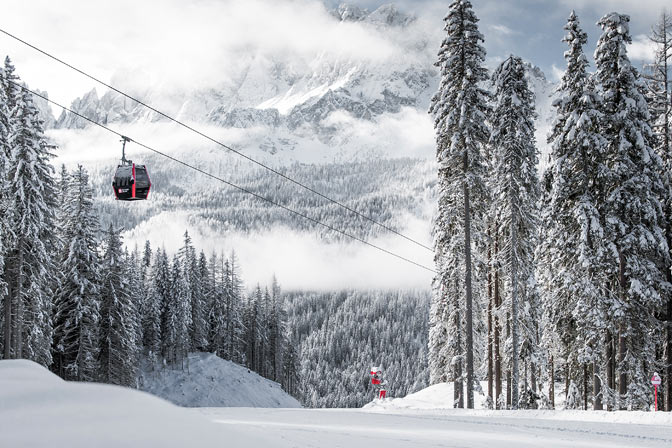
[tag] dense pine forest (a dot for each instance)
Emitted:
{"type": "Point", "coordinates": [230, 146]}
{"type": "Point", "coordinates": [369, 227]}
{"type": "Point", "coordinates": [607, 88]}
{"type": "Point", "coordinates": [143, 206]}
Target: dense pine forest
{"type": "Point", "coordinates": [563, 278]}
{"type": "Point", "coordinates": [341, 335]}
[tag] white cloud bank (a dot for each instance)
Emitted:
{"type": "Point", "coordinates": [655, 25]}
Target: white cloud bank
{"type": "Point", "coordinates": [300, 260]}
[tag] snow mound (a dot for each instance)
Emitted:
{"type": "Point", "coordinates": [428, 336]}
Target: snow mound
{"type": "Point", "coordinates": [438, 400]}
{"type": "Point", "coordinates": [38, 409]}
{"type": "Point", "coordinates": [209, 381]}
{"type": "Point", "coordinates": [438, 396]}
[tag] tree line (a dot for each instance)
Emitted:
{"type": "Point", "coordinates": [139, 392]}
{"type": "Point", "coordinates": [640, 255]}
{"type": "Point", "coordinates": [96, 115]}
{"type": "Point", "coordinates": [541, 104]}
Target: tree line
{"type": "Point", "coordinates": [567, 277]}
{"type": "Point", "coordinates": [76, 300]}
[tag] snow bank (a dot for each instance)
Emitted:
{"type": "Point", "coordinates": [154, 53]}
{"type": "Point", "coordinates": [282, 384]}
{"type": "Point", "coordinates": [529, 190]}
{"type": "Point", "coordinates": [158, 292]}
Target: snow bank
{"type": "Point", "coordinates": [438, 400]}
{"type": "Point", "coordinates": [38, 409]}
{"type": "Point", "coordinates": [209, 381]}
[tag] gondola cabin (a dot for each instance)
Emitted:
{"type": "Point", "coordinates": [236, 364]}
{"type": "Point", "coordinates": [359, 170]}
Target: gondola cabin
{"type": "Point", "coordinates": [131, 182]}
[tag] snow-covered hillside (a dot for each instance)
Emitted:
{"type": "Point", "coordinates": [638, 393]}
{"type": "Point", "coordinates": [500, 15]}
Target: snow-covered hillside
{"type": "Point", "coordinates": [38, 409]}
{"type": "Point", "coordinates": [209, 381]}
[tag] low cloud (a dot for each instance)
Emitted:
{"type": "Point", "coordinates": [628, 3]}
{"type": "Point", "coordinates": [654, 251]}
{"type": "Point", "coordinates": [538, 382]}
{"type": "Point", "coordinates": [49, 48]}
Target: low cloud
{"type": "Point", "coordinates": [300, 260]}
{"type": "Point", "coordinates": [642, 49]}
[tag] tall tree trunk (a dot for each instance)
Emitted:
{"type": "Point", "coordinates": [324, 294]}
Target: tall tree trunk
{"type": "Point", "coordinates": [490, 299]}
{"type": "Point", "coordinates": [498, 302]}
{"type": "Point", "coordinates": [19, 324]}
{"type": "Point", "coordinates": [8, 318]}
{"type": "Point", "coordinates": [458, 386]}
{"type": "Point", "coordinates": [668, 386]}
{"type": "Point", "coordinates": [597, 387]}
{"type": "Point", "coordinates": [610, 366]}
{"type": "Point", "coordinates": [468, 316]}
{"type": "Point", "coordinates": [585, 387]}
{"type": "Point", "coordinates": [514, 310]}
{"type": "Point", "coordinates": [622, 377]}
{"type": "Point", "coordinates": [551, 383]}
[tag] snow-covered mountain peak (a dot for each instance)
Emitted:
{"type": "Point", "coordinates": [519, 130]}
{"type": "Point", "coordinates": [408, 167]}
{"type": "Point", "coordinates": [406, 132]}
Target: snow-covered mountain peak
{"type": "Point", "coordinates": [385, 15]}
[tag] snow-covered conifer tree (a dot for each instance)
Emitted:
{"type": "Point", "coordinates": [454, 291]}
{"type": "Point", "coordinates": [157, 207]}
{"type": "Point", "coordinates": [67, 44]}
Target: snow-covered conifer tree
{"type": "Point", "coordinates": [573, 235]}
{"type": "Point", "coordinates": [28, 263]}
{"type": "Point", "coordinates": [515, 193]}
{"type": "Point", "coordinates": [178, 311]}
{"type": "Point", "coordinates": [151, 319]}
{"type": "Point", "coordinates": [194, 294]}
{"type": "Point", "coordinates": [118, 360]}
{"type": "Point", "coordinates": [659, 84]}
{"type": "Point", "coordinates": [638, 252]}
{"type": "Point", "coordinates": [77, 301]}
{"type": "Point", "coordinates": [459, 109]}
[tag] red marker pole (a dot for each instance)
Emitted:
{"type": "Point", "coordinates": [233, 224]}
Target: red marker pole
{"type": "Point", "coordinates": [655, 380]}
{"type": "Point", "coordinates": [655, 394]}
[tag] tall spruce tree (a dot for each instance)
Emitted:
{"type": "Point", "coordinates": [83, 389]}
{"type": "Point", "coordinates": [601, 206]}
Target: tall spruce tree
{"type": "Point", "coordinates": [460, 110]}
{"type": "Point", "coordinates": [77, 300]}
{"type": "Point", "coordinates": [29, 268]}
{"type": "Point", "coordinates": [118, 360]}
{"type": "Point", "coordinates": [638, 252]}
{"type": "Point", "coordinates": [659, 84]}
{"type": "Point", "coordinates": [151, 318]}
{"type": "Point", "coordinates": [515, 193]}
{"type": "Point", "coordinates": [5, 303]}
{"type": "Point", "coordinates": [573, 245]}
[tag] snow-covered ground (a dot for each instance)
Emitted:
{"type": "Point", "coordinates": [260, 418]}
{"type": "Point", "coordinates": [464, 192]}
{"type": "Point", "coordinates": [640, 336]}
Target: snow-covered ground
{"type": "Point", "coordinates": [210, 381]}
{"type": "Point", "coordinates": [37, 409]}
{"type": "Point", "coordinates": [364, 429]}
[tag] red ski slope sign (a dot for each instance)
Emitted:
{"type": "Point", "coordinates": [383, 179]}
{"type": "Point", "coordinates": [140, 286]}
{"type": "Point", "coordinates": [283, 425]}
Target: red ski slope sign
{"type": "Point", "coordinates": [655, 380]}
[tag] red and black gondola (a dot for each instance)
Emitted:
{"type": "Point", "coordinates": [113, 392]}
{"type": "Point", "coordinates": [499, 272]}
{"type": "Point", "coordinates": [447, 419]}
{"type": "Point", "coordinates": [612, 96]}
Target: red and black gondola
{"type": "Point", "coordinates": [131, 182]}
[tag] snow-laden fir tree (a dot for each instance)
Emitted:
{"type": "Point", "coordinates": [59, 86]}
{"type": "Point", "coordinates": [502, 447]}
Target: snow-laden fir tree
{"type": "Point", "coordinates": [235, 319]}
{"type": "Point", "coordinates": [77, 301]}
{"type": "Point", "coordinates": [133, 271]}
{"type": "Point", "coordinates": [118, 353]}
{"type": "Point", "coordinates": [218, 316]}
{"type": "Point", "coordinates": [515, 194]}
{"type": "Point", "coordinates": [638, 252]}
{"type": "Point", "coordinates": [277, 331]}
{"type": "Point", "coordinates": [659, 94]}
{"type": "Point", "coordinates": [5, 304]}
{"type": "Point", "coordinates": [29, 266]}
{"type": "Point", "coordinates": [572, 250]}
{"type": "Point", "coordinates": [194, 294]}
{"type": "Point", "coordinates": [153, 304]}
{"type": "Point", "coordinates": [178, 315]}
{"type": "Point", "coordinates": [459, 109]}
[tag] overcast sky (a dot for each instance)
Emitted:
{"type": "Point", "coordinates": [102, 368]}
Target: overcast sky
{"type": "Point", "coordinates": [150, 42]}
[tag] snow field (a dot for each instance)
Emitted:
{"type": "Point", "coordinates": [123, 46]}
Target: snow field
{"type": "Point", "coordinates": [38, 409]}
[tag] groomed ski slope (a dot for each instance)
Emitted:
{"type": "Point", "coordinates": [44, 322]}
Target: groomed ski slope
{"type": "Point", "coordinates": [37, 409]}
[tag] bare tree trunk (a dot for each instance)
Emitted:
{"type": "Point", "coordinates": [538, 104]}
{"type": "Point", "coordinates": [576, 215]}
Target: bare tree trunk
{"type": "Point", "coordinates": [490, 299]}
{"type": "Point", "coordinates": [514, 312]}
{"type": "Point", "coordinates": [610, 366]}
{"type": "Point", "coordinates": [8, 319]}
{"type": "Point", "coordinates": [622, 378]}
{"type": "Point", "coordinates": [458, 386]}
{"type": "Point", "coordinates": [668, 384]}
{"type": "Point", "coordinates": [18, 327]}
{"type": "Point", "coordinates": [468, 316]}
{"type": "Point", "coordinates": [585, 387]}
{"type": "Point", "coordinates": [498, 302]}
{"type": "Point", "coordinates": [551, 384]}
{"type": "Point", "coordinates": [597, 387]}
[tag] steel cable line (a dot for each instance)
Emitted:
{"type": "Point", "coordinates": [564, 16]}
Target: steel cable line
{"type": "Point", "coordinates": [243, 189]}
{"type": "Point", "coordinates": [186, 126]}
